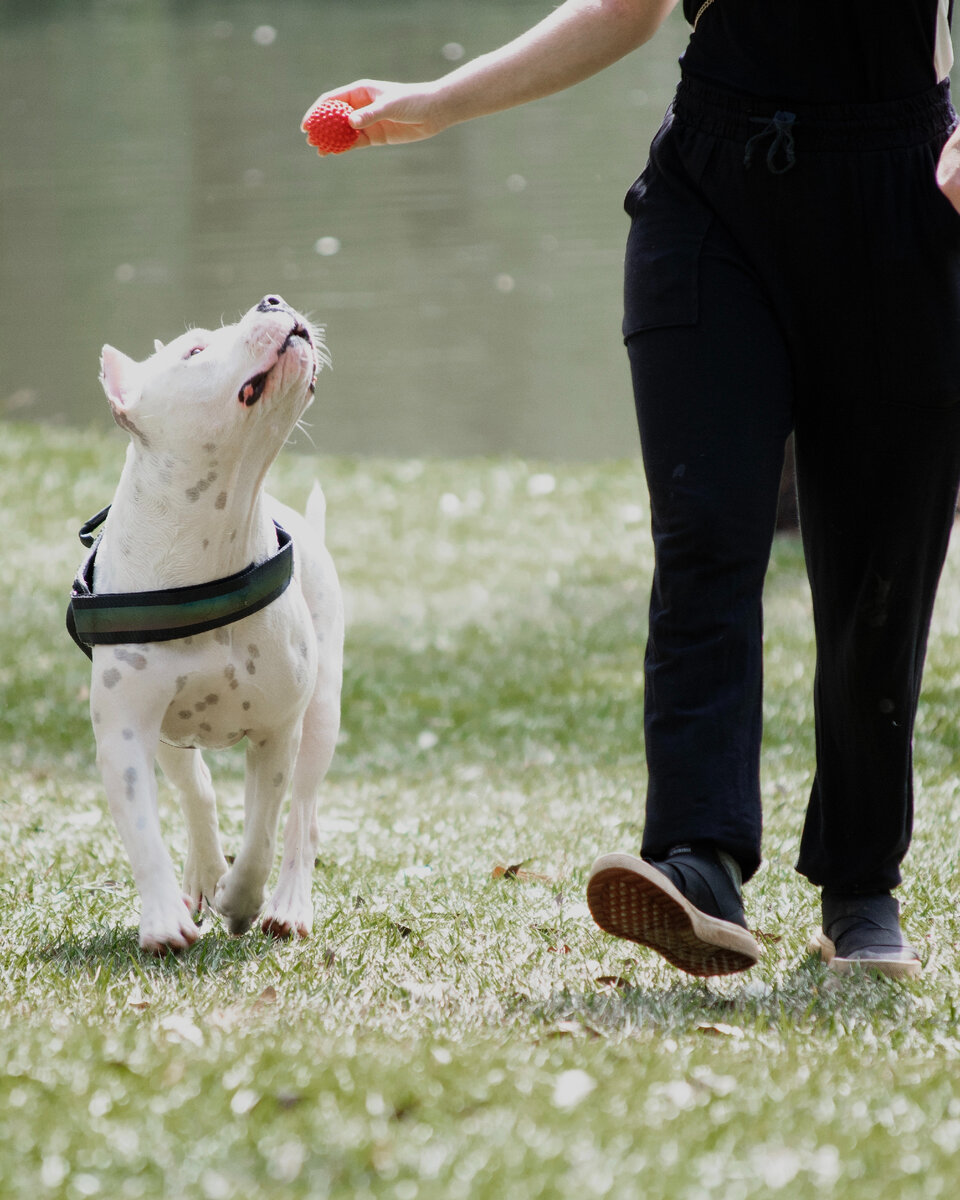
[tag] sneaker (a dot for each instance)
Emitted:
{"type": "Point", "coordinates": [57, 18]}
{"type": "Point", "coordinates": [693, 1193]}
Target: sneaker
{"type": "Point", "coordinates": [863, 933]}
{"type": "Point", "coordinates": [687, 907]}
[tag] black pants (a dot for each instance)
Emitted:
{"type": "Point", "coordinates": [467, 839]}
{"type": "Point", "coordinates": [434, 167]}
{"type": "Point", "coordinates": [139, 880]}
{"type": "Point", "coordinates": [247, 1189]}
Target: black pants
{"type": "Point", "coordinates": [795, 273]}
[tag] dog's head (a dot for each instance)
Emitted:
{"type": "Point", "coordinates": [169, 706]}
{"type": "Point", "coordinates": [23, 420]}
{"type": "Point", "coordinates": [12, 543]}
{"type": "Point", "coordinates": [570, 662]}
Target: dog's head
{"type": "Point", "coordinates": [250, 381]}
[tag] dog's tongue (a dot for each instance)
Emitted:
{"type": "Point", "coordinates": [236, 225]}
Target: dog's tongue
{"type": "Point", "coordinates": [252, 390]}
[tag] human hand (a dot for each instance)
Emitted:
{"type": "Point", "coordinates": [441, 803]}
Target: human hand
{"type": "Point", "coordinates": [388, 114]}
{"type": "Point", "coordinates": [948, 170]}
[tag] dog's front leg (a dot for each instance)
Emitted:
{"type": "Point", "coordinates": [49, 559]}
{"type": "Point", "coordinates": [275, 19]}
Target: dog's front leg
{"type": "Point", "coordinates": [240, 893]}
{"type": "Point", "coordinates": [127, 733]}
{"type": "Point", "coordinates": [190, 776]}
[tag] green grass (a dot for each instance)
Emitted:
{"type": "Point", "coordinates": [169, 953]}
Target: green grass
{"type": "Point", "coordinates": [448, 1032]}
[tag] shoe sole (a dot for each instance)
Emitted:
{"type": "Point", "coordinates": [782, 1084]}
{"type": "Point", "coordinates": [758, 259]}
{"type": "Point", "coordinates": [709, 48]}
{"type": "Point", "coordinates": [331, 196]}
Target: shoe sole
{"type": "Point", "coordinates": [632, 899]}
{"type": "Point", "coordinates": [892, 968]}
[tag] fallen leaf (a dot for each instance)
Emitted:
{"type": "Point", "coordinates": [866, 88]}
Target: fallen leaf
{"type": "Point", "coordinates": [718, 1029]}
{"type": "Point", "coordinates": [517, 871]}
{"type": "Point", "coordinates": [566, 1029]}
{"type": "Point", "coordinates": [616, 981]}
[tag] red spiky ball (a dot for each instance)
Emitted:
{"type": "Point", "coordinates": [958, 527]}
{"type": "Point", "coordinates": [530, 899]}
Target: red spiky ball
{"type": "Point", "coordinates": [327, 127]}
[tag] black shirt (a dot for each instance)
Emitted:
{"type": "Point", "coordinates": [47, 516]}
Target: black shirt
{"type": "Point", "coordinates": [817, 50]}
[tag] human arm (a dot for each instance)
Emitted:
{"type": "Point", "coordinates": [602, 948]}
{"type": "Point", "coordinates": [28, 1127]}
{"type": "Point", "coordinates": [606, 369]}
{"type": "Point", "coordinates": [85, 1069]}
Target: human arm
{"type": "Point", "coordinates": [948, 170]}
{"type": "Point", "coordinates": [576, 40]}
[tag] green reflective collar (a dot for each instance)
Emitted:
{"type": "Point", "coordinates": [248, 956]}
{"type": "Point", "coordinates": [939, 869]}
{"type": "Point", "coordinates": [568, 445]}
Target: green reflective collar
{"type": "Point", "coordinates": [113, 618]}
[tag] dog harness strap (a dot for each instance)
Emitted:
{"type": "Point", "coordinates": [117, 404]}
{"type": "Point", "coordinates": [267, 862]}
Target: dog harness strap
{"type": "Point", "coordinates": [113, 618]}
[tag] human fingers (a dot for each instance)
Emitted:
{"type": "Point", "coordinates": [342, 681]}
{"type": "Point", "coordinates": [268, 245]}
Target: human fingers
{"type": "Point", "coordinates": [357, 95]}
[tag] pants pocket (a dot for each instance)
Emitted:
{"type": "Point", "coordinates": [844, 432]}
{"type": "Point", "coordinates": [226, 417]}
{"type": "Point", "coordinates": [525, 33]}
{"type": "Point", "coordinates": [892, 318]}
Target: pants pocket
{"type": "Point", "coordinates": [669, 224]}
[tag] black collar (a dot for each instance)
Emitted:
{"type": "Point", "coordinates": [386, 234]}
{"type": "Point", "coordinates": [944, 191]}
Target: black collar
{"type": "Point", "coordinates": [114, 618]}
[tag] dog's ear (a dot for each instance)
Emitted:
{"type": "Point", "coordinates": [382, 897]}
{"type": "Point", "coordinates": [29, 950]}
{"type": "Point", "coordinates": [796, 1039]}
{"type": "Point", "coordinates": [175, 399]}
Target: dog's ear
{"type": "Point", "coordinates": [157, 345]}
{"type": "Point", "coordinates": [119, 376]}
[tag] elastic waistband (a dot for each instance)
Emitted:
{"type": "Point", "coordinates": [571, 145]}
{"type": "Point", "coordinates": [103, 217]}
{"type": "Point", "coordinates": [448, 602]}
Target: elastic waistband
{"type": "Point", "coordinates": [888, 124]}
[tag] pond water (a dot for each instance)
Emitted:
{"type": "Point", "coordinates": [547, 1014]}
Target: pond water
{"type": "Point", "coordinates": [153, 176]}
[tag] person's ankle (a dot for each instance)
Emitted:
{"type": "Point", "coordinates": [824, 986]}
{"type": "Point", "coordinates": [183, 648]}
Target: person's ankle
{"type": "Point", "coordinates": [710, 878]}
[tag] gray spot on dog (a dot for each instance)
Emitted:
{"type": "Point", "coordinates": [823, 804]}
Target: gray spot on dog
{"type": "Point", "coordinates": [131, 657]}
{"type": "Point", "coordinates": [212, 698]}
{"type": "Point", "coordinates": [251, 667]}
{"type": "Point", "coordinates": [130, 779]}
{"type": "Point", "coordinates": [124, 422]}
{"type": "Point", "coordinates": [205, 727]}
{"type": "Point", "coordinates": [111, 678]}
{"type": "Point", "coordinates": [200, 706]}
{"type": "Point", "coordinates": [253, 651]}
{"type": "Point", "coordinates": [209, 447]}
{"type": "Point", "coordinates": [246, 706]}
{"type": "Point", "coordinates": [278, 779]}
{"type": "Point", "coordinates": [181, 682]}
{"type": "Point", "coordinates": [221, 501]}
{"type": "Point", "coordinates": [128, 735]}
{"type": "Point", "coordinates": [221, 636]}
{"type": "Point", "coordinates": [184, 714]}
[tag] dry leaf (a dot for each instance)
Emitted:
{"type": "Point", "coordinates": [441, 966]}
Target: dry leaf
{"type": "Point", "coordinates": [720, 1030]}
{"type": "Point", "coordinates": [267, 996]}
{"type": "Point", "coordinates": [517, 871]}
{"type": "Point", "coordinates": [616, 981]}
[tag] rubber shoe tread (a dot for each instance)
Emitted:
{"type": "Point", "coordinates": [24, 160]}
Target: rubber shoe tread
{"type": "Point", "coordinates": [630, 898]}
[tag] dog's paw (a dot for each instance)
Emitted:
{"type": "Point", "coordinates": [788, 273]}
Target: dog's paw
{"type": "Point", "coordinates": [167, 928]}
{"type": "Point", "coordinates": [290, 908]}
{"type": "Point", "coordinates": [237, 902]}
{"type": "Point", "coordinates": [200, 881]}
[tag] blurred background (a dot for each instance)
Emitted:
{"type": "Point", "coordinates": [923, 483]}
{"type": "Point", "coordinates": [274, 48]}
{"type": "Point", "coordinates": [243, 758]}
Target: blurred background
{"type": "Point", "coordinates": [153, 176]}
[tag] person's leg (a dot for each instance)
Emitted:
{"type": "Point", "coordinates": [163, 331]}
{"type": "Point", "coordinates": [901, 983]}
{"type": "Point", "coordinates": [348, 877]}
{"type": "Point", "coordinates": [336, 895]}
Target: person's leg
{"type": "Point", "coordinates": [878, 495]}
{"type": "Point", "coordinates": [714, 408]}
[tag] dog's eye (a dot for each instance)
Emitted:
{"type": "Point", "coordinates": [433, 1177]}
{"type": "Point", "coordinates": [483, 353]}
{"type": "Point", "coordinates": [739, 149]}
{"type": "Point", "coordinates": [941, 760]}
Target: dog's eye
{"type": "Point", "coordinates": [194, 350]}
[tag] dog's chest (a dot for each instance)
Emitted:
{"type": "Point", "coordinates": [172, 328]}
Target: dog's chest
{"type": "Point", "coordinates": [238, 686]}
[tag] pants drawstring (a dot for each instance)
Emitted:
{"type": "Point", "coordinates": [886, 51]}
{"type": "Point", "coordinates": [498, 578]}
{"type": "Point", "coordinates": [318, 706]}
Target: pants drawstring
{"type": "Point", "coordinates": [779, 127]}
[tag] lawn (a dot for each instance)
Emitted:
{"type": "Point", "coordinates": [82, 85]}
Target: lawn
{"type": "Point", "coordinates": [456, 1026]}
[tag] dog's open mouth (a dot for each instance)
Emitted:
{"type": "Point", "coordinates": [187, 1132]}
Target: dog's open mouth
{"type": "Point", "coordinates": [254, 388]}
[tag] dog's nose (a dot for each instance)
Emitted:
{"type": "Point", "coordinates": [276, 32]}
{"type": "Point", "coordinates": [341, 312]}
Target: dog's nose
{"type": "Point", "coordinates": [273, 304]}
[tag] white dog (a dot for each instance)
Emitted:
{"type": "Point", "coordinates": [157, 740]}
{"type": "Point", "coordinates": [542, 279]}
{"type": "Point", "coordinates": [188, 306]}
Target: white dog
{"type": "Point", "coordinates": [202, 632]}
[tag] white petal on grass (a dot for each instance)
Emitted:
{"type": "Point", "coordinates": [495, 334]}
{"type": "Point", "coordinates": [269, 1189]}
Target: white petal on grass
{"type": "Point", "coordinates": [244, 1101]}
{"type": "Point", "coordinates": [572, 1087]}
{"type": "Point", "coordinates": [182, 1029]}
{"type": "Point", "coordinates": [541, 485]}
